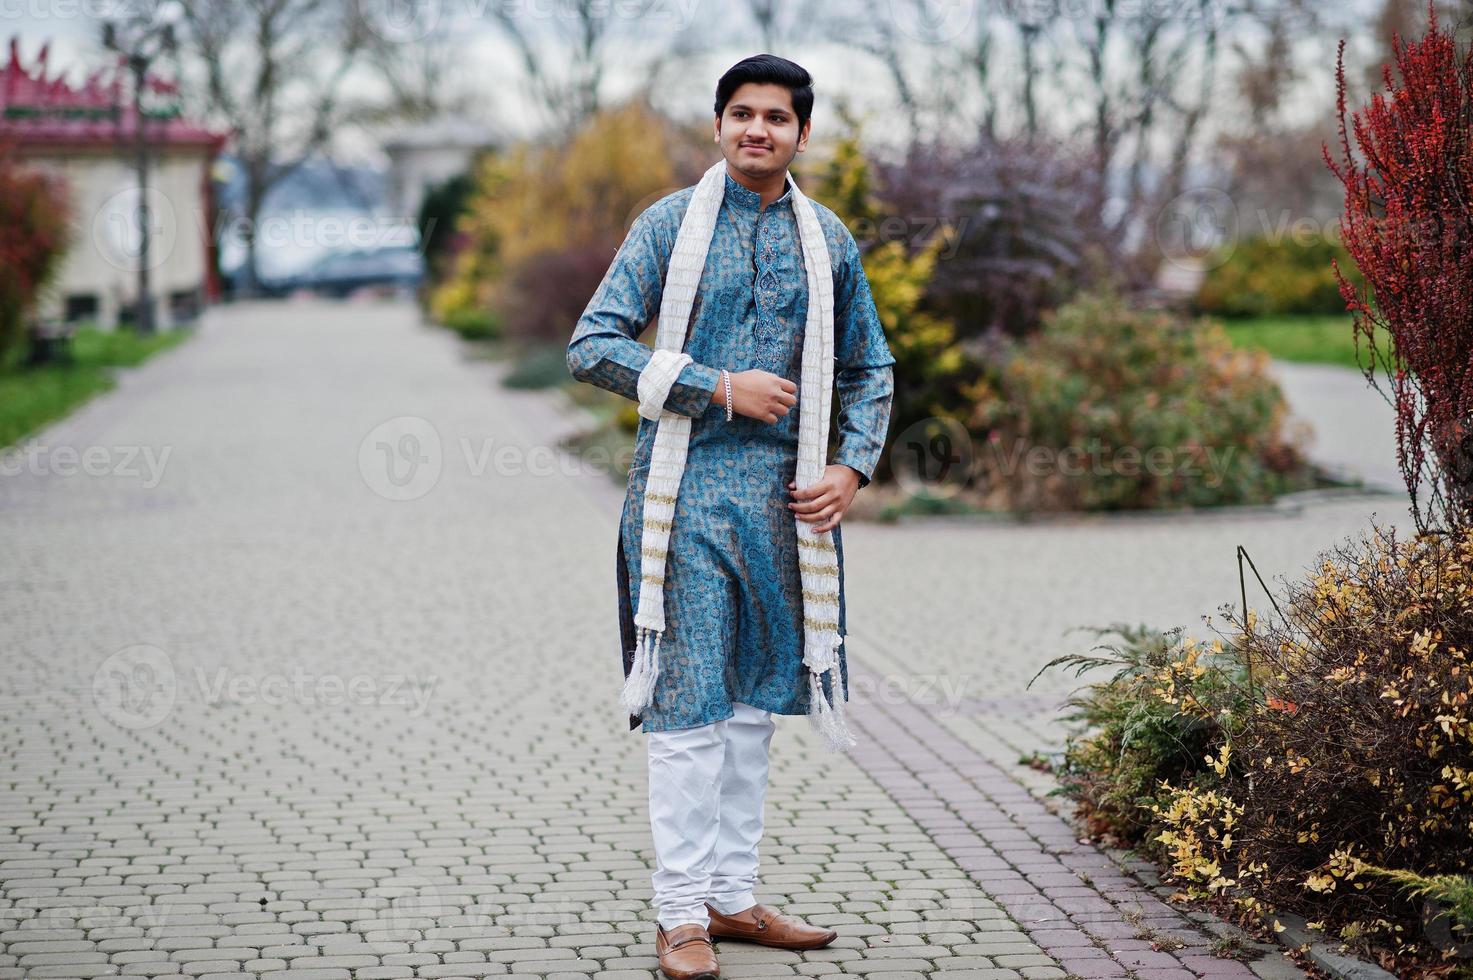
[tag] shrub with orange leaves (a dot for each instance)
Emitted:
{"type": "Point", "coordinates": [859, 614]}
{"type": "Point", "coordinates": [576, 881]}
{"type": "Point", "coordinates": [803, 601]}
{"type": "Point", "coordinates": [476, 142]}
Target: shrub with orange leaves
{"type": "Point", "coordinates": [1365, 757]}
{"type": "Point", "coordinates": [1342, 773]}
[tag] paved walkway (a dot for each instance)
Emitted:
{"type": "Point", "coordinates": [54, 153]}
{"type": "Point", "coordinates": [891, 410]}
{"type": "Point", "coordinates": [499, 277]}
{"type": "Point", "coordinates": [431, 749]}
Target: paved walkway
{"type": "Point", "coordinates": [1353, 426]}
{"type": "Point", "coordinates": [294, 689]}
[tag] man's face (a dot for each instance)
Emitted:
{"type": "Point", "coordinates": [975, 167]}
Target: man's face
{"type": "Point", "coordinates": [759, 130]}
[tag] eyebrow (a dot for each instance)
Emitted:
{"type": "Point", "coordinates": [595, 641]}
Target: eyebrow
{"type": "Point", "coordinates": [743, 105]}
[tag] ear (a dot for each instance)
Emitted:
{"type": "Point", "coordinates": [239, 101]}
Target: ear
{"type": "Point", "coordinates": [803, 136]}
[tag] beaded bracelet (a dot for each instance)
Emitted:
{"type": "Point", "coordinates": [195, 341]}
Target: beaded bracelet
{"type": "Point", "coordinates": [726, 380]}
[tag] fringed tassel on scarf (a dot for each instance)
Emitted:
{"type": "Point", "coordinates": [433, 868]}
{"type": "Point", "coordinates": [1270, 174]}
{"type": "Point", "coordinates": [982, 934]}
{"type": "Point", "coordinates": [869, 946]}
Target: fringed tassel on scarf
{"type": "Point", "coordinates": [639, 686]}
{"type": "Point", "coordinates": [826, 715]}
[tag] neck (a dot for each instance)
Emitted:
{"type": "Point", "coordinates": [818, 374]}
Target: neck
{"type": "Point", "coordinates": [770, 188]}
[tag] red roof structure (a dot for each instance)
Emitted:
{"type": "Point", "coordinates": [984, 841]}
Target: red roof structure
{"type": "Point", "coordinates": [35, 110]}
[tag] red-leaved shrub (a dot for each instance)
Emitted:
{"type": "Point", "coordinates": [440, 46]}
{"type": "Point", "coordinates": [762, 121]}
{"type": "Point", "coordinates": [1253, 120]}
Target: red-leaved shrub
{"type": "Point", "coordinates": [33, 237]}
{"type": "Point", "coordinates": [1408, 224]}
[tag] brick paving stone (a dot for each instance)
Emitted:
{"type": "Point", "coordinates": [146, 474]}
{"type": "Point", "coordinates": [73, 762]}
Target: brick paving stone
{"type": "Point", "coordinates": [272, 721]}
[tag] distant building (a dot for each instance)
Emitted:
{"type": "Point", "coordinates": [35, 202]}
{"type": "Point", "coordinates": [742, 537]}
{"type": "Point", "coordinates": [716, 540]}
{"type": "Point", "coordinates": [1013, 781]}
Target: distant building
{"type": "Point", "coordinates": [86, 135]}
{"type": "Point", "coordinates": [428, 154]}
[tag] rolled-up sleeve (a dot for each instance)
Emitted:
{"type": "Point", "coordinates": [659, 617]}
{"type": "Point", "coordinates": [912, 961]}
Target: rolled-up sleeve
{"type": "Point", "coordinates": [604, 349]}
{"type": "Point", "coordinates": [864, 369]}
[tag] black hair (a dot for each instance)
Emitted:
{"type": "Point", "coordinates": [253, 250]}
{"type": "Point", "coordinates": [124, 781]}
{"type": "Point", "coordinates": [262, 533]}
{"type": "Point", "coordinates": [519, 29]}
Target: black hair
{"type": "Point", "coordinates": [769, 69]}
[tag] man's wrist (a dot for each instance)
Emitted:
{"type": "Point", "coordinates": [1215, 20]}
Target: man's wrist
{"type": "Point", "coordinates": [861, 480]}
{"type": "Point", "coordinates": [705, 379]}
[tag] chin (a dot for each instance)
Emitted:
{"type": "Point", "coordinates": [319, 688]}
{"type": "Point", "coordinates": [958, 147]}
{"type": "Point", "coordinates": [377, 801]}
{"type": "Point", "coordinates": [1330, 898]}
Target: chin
{"type": "Point", "coordinates": [759, 166]}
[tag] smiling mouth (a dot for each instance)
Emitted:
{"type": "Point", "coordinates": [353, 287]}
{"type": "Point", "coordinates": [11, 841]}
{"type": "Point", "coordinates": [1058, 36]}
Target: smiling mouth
{"type": "Point", "coordinates": [750, 146]}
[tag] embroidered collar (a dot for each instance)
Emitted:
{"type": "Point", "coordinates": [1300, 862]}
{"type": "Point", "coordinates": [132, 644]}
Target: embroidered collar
{"type": "Point", "coordinates": [741, 196]}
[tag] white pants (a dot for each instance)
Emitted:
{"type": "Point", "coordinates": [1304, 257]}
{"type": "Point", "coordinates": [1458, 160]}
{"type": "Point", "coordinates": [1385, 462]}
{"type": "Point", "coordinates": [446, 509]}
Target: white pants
{"type": "Point", "coordinates": [707, 787]}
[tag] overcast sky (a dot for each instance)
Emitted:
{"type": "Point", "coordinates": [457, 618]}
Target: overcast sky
{"type": "Point", "coordinates": [491, 66]}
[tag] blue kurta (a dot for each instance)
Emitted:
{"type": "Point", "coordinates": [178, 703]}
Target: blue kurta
{"type": "Point", "coordinates": [733, 592]}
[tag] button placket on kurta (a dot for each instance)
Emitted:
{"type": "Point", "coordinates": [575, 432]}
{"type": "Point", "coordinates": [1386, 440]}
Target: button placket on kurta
{"type": "Point", "coordinates": [764, 258]}
{"type": "Point", "coordinates": [733, 593]}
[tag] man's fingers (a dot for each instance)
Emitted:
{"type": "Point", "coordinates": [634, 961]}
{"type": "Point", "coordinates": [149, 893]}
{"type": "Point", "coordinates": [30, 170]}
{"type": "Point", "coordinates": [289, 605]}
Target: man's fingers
{"type": "Point", "coordinates": [810, 493]}
{"type": "Point", "coordinates": [821, 516]}
{"type": "Point", "coordinates": [831, 524]}
{"type": "Point", "coordinates": [813, 508]}
{"type": "Point", "coordinates": [813, 490]}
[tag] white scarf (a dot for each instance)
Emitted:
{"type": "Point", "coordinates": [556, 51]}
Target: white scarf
{"type": "Point", "coordinates": [818, 562]}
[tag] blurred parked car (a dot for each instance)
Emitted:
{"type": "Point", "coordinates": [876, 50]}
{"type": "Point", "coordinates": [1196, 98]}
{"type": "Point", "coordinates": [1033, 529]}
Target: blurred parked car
{"type": "Point", "coordinates": [342, 273]}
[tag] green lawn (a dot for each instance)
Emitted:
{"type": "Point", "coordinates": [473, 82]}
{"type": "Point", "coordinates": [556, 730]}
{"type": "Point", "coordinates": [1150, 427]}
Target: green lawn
{"type": "Point", "coordinates": [32, 397]}
{"type": "Point", "coordinates": [1311, 339]}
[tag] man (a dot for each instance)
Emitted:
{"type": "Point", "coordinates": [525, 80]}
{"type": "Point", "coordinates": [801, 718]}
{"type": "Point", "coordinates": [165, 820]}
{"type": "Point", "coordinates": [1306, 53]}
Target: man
{"type": "Point", "coordinates": [734, 605]}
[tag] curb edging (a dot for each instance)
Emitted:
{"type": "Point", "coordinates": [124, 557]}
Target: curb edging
{"type": "Point", "coordinates": [1295, 935]}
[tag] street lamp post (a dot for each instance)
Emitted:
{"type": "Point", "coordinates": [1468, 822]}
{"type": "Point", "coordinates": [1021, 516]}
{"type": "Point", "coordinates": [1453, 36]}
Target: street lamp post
{"type": "Point", "coordinates": [140, 42]}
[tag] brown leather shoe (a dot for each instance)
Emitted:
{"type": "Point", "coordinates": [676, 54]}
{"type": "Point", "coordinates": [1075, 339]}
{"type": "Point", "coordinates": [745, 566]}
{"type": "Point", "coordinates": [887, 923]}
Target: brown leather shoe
{"type": "Point", "coordinates": [766, 925]}
{"type": "Point", "coordinates": [686, 952]}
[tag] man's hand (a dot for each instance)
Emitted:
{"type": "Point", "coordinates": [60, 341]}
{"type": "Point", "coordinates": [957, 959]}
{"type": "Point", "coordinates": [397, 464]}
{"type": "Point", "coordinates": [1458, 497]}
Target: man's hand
{"type": "Point", "coordinates": [826, 500]}
{"type": "Point", "coordinates": [758, 394]}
